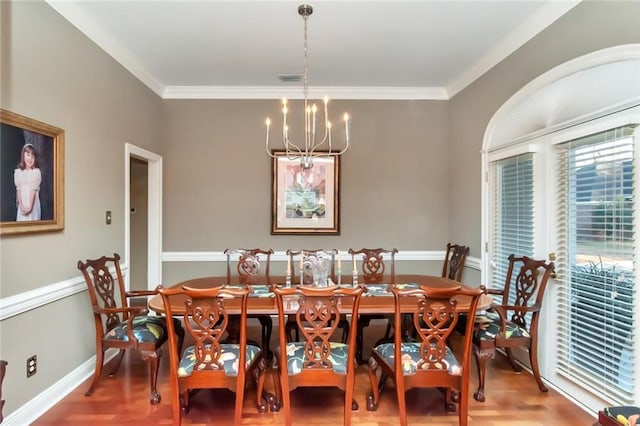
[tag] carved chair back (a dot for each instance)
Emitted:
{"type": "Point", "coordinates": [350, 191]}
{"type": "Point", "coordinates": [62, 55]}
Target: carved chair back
{"type": "Point", "coordinates": [248, 266]}
{"type": "Point", "coordinates": [375, 264]}
{"type": "Point", "coordinates": [454, 261]}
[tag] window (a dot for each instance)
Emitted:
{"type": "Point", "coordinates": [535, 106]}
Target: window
{"type": "Point", "coordinates": [596, 264]}
{"type": "Point", "coordinates": [513, 213]}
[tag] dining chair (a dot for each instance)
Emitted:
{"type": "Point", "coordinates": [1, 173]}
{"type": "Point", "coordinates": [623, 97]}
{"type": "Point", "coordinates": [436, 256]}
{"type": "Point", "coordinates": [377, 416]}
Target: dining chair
{"type": "Point", "coordinates": [427, 361]}
{"type": "Point", "coordinates": [251, 267]}
{"type": "Point", "coordinates": [119, 325]}
{"type": "Point", "coordinates": [375, 263]}
{"type": "Point", "coordinates": [210, 363]}
{"type": "Point", "coordinates": [319, 359]}
{"type": "Point", "coordinates": [301, 273]}
{"type": "Point", "coordinates": [454, 261]}
{"type": "Point", "coordinates": [513, 321]}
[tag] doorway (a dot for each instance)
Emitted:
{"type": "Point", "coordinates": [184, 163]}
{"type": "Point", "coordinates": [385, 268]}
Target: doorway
{"type": "Point", "coordinates": [143, 210]}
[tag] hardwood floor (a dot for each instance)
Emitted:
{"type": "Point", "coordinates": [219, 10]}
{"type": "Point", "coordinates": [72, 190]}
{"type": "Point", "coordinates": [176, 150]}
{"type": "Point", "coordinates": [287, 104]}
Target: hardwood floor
{"type": "Point", "coordinates": [510, 399]}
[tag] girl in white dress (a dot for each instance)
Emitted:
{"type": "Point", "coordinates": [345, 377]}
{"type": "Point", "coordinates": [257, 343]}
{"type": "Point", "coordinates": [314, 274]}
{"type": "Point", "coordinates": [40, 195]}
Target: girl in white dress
{"type": "Point", "coordinates": [27, 178]}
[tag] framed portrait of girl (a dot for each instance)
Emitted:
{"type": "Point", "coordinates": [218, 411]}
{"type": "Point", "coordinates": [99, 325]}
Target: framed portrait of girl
{"type": "Point", "coordinates": [31, 175]}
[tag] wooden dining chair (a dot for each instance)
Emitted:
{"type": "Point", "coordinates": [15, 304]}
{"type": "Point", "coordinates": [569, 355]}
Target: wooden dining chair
{"type": "Point", "coordinates": [301, 274]}
{"type": "Point", "coordinates": [320, 358]}
{"type": "Point", "coordinates": [454, 261]}
{"type": "Point", "coordinates": [374, 265]}
{"type": "Point", "coordinates": [428, 360]}
{"type": "Point", "coordinates": [512, 322]}
{"type": "Point", "coordinates": [210, 363]}
{"type": "Point", "coordinates": [119, 325]}
{"type": "Point", "coordinates": [251, 267]}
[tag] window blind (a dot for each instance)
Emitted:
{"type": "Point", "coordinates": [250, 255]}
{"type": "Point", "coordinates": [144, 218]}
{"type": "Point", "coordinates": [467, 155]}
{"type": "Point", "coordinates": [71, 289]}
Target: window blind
{"type": "Point", "coordinates": [597, 346]}
{"type": "Point", "coordinates": [513, 213]}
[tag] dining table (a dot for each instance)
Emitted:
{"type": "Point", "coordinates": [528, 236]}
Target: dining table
{"type": "Point", "coordinates": [377, 300]}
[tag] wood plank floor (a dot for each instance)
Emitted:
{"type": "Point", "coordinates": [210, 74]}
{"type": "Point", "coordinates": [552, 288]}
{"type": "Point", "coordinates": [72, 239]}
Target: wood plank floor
{"type": "Point", "coordinates": [511, 399]}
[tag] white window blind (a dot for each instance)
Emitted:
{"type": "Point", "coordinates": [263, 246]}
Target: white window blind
{"type": "Point", "coordinates": [596, 337]}
{"type": "Point", "coordinates": [513, 213]}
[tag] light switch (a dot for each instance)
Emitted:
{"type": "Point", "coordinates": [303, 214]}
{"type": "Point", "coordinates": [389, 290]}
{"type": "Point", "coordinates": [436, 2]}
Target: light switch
{"type": "Point", "coordinates": [107, 217]}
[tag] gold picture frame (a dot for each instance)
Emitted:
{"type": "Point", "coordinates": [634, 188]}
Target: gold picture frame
{"type": "Point", "coordinates": [32, 190]}
{"type": "Point", "coordinates": [305, 201]}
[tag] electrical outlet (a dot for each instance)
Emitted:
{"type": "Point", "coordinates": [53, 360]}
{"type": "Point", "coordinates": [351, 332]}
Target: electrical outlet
{"type": "Point", "coordinates": [32, 365]}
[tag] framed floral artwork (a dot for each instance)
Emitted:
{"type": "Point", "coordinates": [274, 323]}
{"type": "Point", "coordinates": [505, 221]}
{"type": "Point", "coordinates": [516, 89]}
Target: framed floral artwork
{"type": "Point", "coordinates": [305, 201]}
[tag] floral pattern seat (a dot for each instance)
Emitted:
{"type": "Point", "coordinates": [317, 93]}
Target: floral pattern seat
{"type": "Point", "coordinates": [488, 327]}
{"type": "Point", "coordinates": [146, 329]}
{"type": "Point", "coordinates": [230, 355]}
{"type": "Point", "coordinates": [411, 356]}
{"type": "Point", "coordinates": [296, 357]}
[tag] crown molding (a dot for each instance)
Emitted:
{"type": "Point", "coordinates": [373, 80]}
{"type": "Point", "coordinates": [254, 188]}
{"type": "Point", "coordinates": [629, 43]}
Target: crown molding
{"type": "Point", "coordinates": [537, 22]}
{"type": "Point", "coordinates": [279, 92]}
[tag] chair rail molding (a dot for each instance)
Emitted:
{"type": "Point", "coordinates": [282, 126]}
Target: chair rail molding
{"type": "Point", "coordinates": [22, 302]}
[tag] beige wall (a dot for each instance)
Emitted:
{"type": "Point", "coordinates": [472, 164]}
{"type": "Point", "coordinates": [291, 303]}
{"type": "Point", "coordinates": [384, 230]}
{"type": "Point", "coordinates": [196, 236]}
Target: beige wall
{"type": "Point", "coordinates": [53, 73]}
{"type": "Point", "coordinates": [217, 176]}
{"type": "Point", "coordinates": [217, 192]}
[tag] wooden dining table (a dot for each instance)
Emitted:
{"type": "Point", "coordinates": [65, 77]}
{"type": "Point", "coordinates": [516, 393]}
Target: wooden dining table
{"type": "Point", "coordinates": [377, 300]}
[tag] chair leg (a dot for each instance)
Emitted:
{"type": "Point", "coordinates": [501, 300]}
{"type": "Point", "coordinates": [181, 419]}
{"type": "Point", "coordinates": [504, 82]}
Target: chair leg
{"type": "Point", "coordinates": [180, 332]}
{"type": "Point", "coordinates": [152, 357]}
{"type": "Point", "coordinates": [481, 356]}
{"type": "Point", "coordinates": [275, 376]}
{"type": "Point", "coordinates": [292, 330]}
{"type": "Point", "coordinates": [237, 413]}
{"type": "Point", "coordinates": [97, 373]}
{"type": "Point", "coordinates": [533, 357]}
{"type": "Point", "coordinates": [261, 400]}
{"type": "Point", "coordinates": [512, 360]}
{"type": "Point", "coordinates": [374, 397]}
{"type": "Point", "coordinates": [343, 323]}
{"type": "Point", "coordinates": [118, 362]}
{"type": "Point", "coordinates": [361, 324]}
{"type": "Point", "coordinates": [266, 325]}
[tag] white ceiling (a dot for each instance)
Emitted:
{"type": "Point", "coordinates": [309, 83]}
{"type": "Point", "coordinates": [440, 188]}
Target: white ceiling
{"type": "Point", "coordinates": [357, 49]}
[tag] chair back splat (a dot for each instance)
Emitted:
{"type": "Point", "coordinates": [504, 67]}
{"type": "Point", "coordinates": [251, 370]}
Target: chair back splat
{"type": "Point", "coordinates": [427, 360]}
{"type": "Point", "coordinates": [211, 362]}
{"type": "Point", "coordinates": [319, 358]}
{"type": "Point", "coordinates": [119, 325]}
{"type": "Point", "coordinates": [454, 261]}
{"type": "Point", "coordinates": [513, 321]}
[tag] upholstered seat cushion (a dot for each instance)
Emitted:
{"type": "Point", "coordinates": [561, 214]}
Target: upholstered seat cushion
{"type": "Point", "coordinates": [147, 329]}
{"type": "Point", "coordinates": [411, 357]}
{"type": "Point", "coordinates": [488, 326]}
{"type": "Point", "coordinates": [230, 355]}
{"type": "Point", "coordinates": [337, 357]}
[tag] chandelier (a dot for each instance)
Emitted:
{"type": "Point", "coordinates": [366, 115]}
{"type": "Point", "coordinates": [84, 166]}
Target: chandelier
{"type": "Point", "coordinates": [314, 146]}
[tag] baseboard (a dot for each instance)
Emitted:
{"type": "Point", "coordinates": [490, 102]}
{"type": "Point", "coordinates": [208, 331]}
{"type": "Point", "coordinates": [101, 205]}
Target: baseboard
{"type": "Point", "coordinates": [39, 405]}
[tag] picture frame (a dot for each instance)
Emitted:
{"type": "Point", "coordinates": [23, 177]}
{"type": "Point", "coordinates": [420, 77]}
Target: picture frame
{"type": "Point", "coordinates": [31, 175]}
{"type": "Point", "coordinates": [305, 201]}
